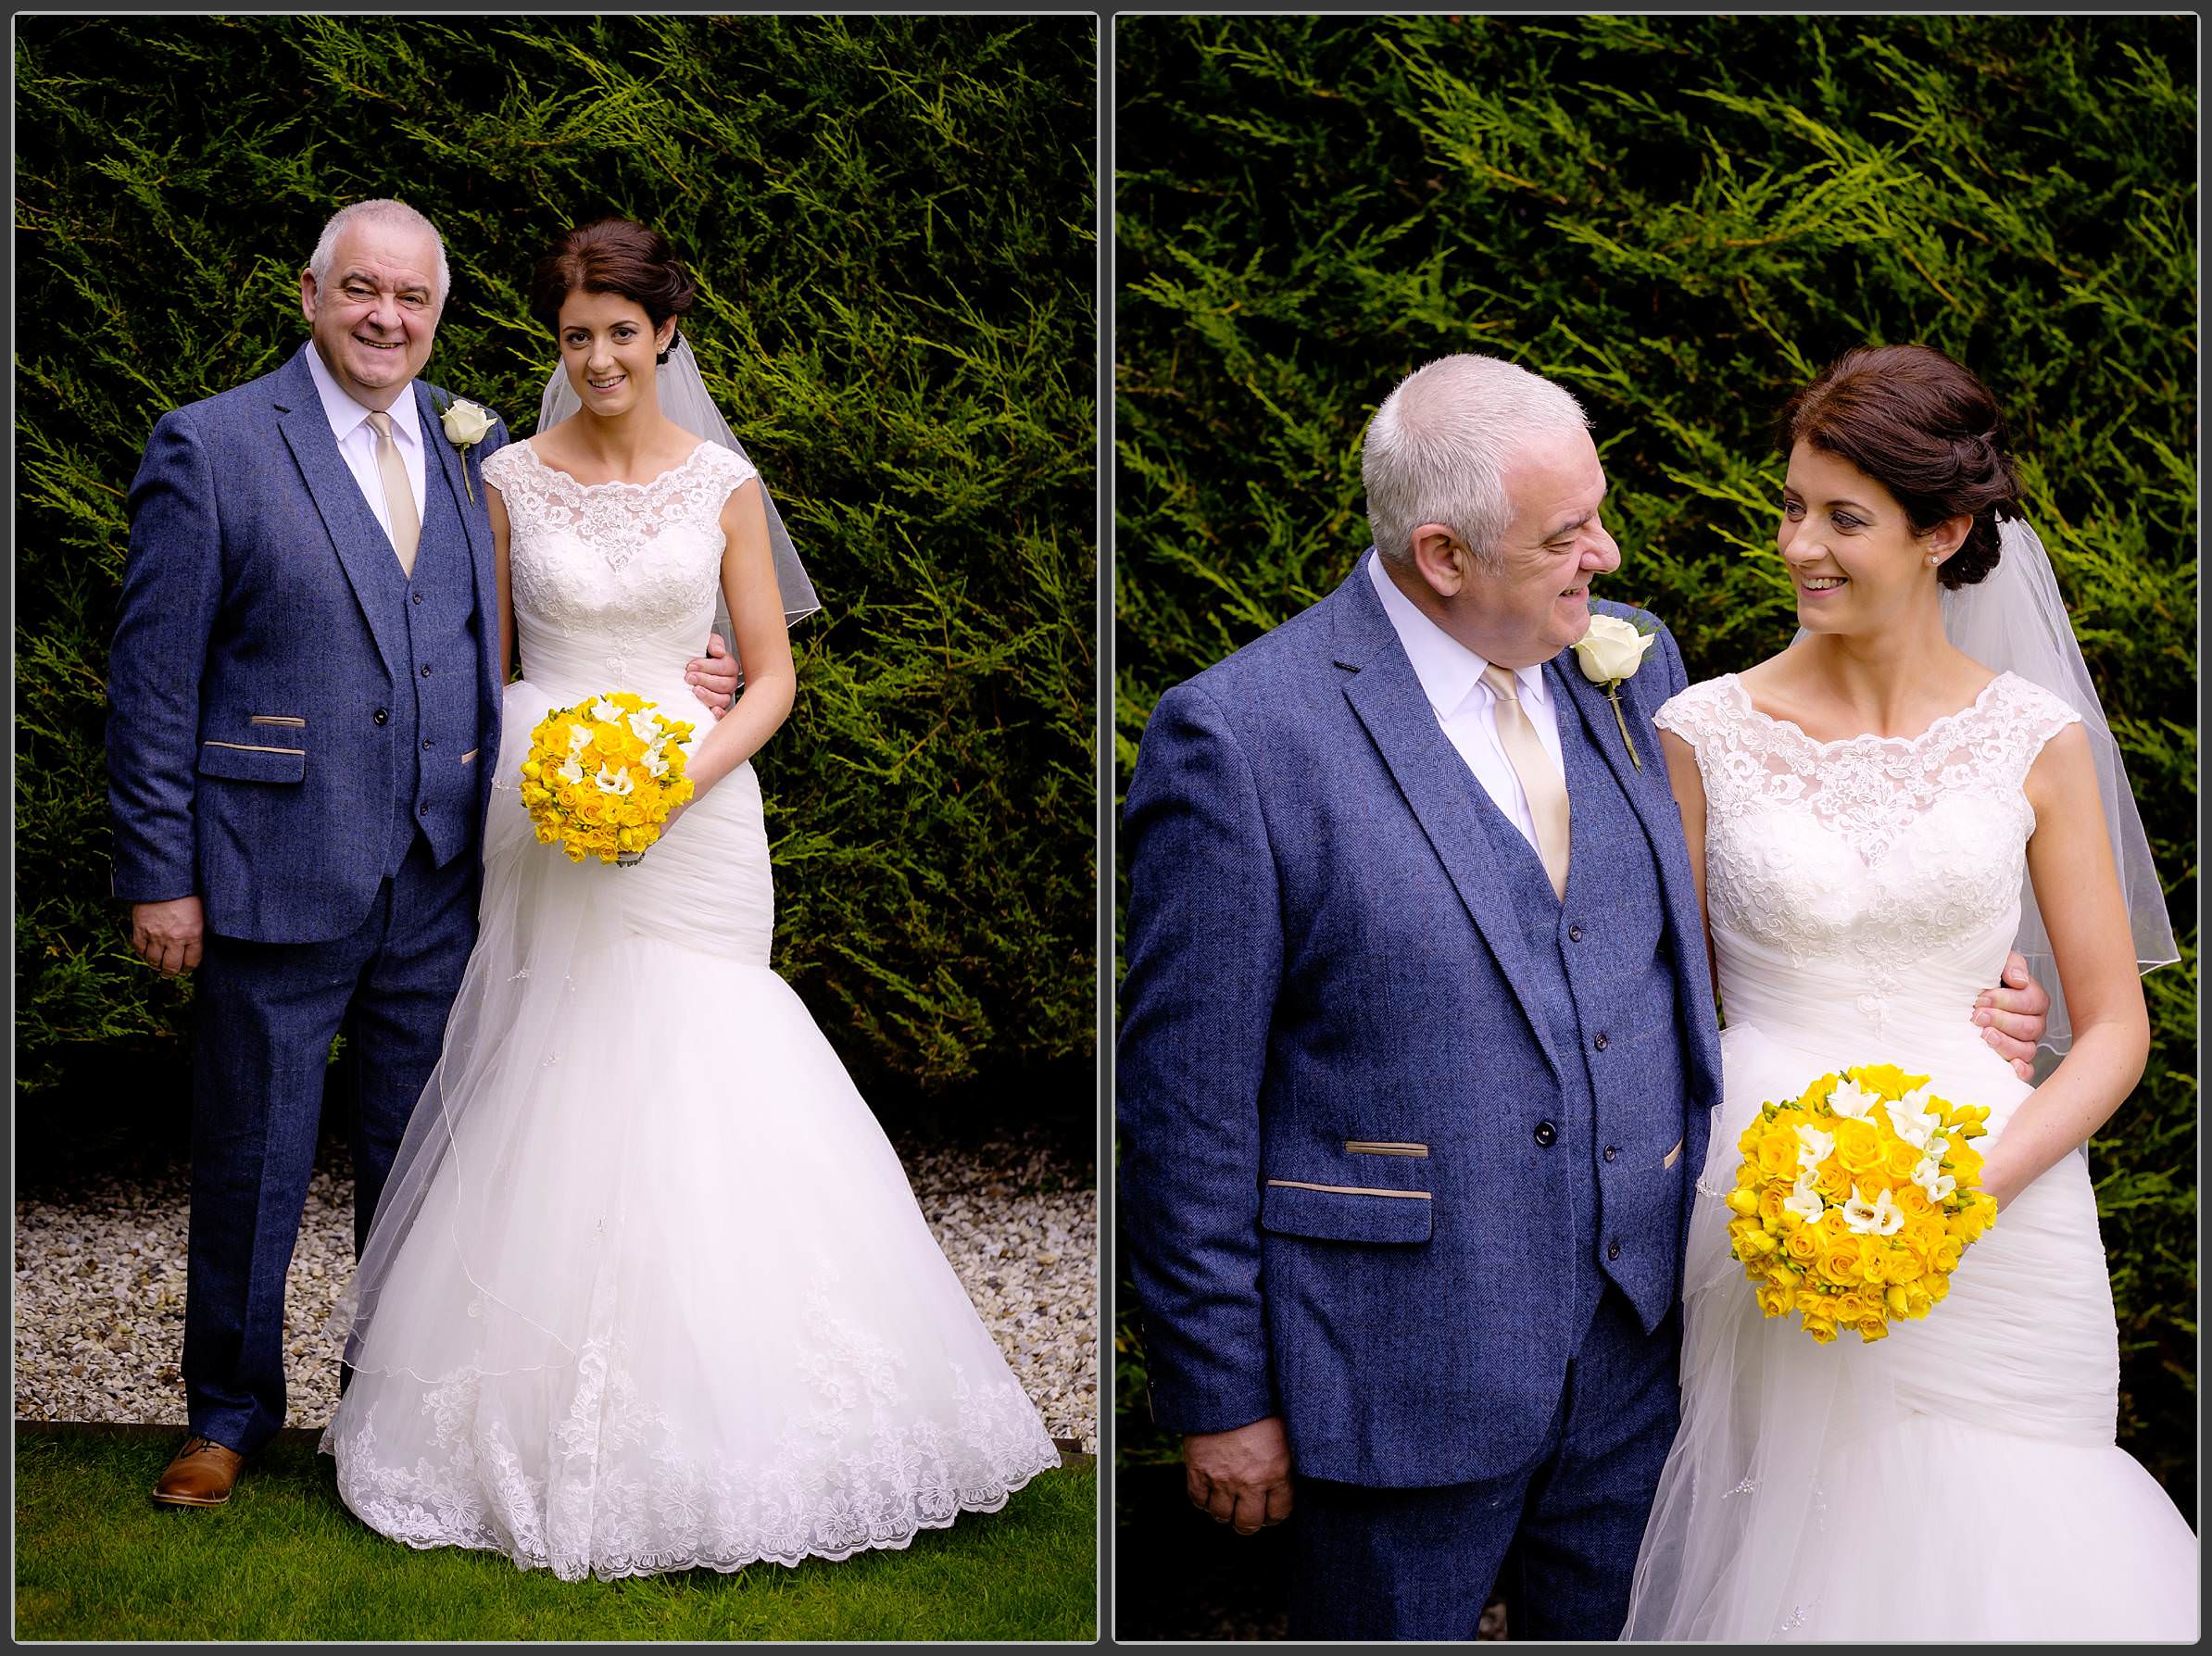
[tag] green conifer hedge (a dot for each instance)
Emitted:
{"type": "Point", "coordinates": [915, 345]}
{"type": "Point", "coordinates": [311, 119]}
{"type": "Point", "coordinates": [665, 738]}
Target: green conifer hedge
{"type": "Point", "coordinates": [1683, 218]}
{"type": "Point", "coordinates": [891, 220]}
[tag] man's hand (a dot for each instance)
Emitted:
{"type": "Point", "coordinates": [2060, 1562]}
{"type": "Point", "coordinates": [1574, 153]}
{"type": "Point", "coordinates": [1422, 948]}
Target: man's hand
{"type": "Point", "coordinates": [167, 935]}
{"type": "Point", "coordinates": [713, 676]}
{"type": "Point", "coordinates": [1241, 1477]}
{"type": "Point", "coordinates": [2013, 1016]}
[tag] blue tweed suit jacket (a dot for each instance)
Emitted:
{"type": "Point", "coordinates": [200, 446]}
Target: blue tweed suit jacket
{"type": "Point", "coordinates": [245, 601]}
{"type": "Point", "coordinates": [1321, 954]}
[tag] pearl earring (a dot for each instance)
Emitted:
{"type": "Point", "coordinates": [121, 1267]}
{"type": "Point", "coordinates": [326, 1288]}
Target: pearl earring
{"type": "Point", "coordinates": [1934, 559]}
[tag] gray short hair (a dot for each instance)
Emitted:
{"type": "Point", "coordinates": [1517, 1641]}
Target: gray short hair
{"type": "Point", "coordinates": [384, 211]}
{"type": "Point", "coordinates": [1438, 447]}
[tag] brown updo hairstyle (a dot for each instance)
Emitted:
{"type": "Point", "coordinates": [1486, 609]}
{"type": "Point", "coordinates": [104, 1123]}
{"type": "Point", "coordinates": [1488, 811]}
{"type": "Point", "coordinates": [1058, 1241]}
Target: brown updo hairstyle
{"type": "Point", "coordinates": [1924, 427]}
{"type": "Point", "coordinates": [613, 255]}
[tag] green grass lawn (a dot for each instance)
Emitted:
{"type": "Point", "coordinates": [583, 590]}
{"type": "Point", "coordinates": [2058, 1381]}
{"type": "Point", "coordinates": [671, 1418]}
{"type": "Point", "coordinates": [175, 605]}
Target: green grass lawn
{"type": "Point", "coordinates": [97, 1559]}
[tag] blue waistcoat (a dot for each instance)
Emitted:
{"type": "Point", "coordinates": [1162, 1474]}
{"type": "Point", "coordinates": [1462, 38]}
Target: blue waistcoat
{"type": "Point", "coordinates": [1604, 973]}
{"type": "Point", "coordinates": [435, 731]}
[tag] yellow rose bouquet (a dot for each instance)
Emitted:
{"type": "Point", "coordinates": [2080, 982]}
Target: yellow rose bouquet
{"type": "Point", "coordinates": [602, 776]}
{"type": "Point", "coordinates": [1855, 1200]}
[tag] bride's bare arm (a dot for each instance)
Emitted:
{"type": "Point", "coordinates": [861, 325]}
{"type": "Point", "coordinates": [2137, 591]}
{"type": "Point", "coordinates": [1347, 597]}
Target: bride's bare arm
{"type": "Point", "coordinates": [2069, 862]}
{"type": "Point", "coordinates": [495, 504]}
{"type": "Point", "coordinates": [1690, 797]}
{"type": "Point", "coordinates": [763, 642]}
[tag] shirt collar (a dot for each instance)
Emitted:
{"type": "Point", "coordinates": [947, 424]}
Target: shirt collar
{"type": "Point", "coordinates": [1448, 669]}
{"type": "Point", "coordinates": [346, 416]}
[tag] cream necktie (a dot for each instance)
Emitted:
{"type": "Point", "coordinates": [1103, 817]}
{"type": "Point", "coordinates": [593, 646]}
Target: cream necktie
{"type": "Point", "coordinates": [399, 494]}
{"type": "Point", "coordinates": [1540, 781]}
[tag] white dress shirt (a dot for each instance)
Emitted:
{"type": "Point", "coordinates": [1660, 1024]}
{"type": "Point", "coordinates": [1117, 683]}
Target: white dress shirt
{"type": "Point", "coordinates": [1451, 676]}
{"type": "Point", "coordinates": [356, 439]}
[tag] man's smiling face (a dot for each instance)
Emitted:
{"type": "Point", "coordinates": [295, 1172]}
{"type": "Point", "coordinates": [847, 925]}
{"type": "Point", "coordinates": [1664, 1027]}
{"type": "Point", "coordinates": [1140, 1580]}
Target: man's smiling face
{"type": "Point", "coordinates": [374, 322]}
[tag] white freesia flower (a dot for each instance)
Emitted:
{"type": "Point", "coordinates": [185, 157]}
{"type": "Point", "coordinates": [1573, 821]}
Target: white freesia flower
{"type": "Point", "coordinates": [642, 726]}
{"type": "Point", "coordinates": [570, 772]}
{"type": "Point", "coordinates": [606, 712]}
{"type": "Point", "coordinates": [1848, 1099]}
{"type": "Point", "coordinates": [1805, 1201]}
{"type": "Point", "coordinates": [1880, 1217]}
{"type": "Point", "coordinates": [612, 781]}
{"type": "Point", "coordinates": [656, 767]}
{"type": "Point", "coordinates": [1912, 1118]}
{"type": "Point", "coordinates": [1813, 1146]}
{"type": "Point", "coordinates": [1933, 1179]}
{"type": "Point", "coordinates": [579, 737]}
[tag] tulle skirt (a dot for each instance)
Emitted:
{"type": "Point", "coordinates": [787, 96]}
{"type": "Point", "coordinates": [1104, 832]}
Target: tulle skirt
{"type": "Point", "coordinates": [649, 1290]}
{"type": "Point", "coordinates": [1958, 1480]}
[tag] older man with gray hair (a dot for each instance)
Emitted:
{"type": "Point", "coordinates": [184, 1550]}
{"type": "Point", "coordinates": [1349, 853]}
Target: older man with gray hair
{"type": "Point", "coordinates": [304, 694]}
{"type": "Point", "coordinates": [1419, 1047]}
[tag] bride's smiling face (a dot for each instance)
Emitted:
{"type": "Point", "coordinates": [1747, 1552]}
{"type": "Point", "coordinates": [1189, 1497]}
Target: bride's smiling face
{"type": "Point", "coordinates": [609, 346]}
{"type": "Point", "coordinates": [1857, 564]}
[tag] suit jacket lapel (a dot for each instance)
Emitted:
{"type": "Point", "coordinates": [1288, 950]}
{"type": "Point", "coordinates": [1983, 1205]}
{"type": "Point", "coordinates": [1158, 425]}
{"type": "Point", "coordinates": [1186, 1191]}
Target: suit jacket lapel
{"type": "Point", "coordinates": [1647, 789]}
{"type": "Point", "coordinates": [1654, 802]}
{"type": "Point", "coordinates": [1390, 704]}
{"type": "Point", "coordinates": [353, 528]}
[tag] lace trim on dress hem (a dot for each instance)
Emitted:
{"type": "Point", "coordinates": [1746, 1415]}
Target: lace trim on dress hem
{"type": "Point", "coordinates": [978, 1501]}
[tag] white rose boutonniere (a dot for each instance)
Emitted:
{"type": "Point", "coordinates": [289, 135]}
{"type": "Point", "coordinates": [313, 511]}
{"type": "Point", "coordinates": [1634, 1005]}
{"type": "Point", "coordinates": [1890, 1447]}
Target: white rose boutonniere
{"type": "Point", "coordinates": [1609, 654]}
{"type": "Point", "coordinates": [466, 424]}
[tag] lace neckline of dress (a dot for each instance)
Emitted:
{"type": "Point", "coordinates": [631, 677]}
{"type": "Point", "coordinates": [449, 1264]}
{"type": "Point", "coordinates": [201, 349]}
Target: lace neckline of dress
{"type": "Point", "coordinates": [616, 483]}
{"type": "Point", "coordinates": [1941, 721]}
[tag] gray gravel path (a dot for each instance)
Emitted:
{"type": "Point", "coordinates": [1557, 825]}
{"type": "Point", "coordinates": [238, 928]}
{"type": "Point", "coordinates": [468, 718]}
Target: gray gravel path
{"type": "Point", "coordinates": [99, 1315]}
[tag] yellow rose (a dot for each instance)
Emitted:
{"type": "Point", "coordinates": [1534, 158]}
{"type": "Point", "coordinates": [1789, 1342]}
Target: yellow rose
{"type": "Point", "coordinates": [1612, 650]}
{"type": "Point", "coordinates": [1776, 1302]}
{"type": "Point", "coordinates": [1944, 1255]}
{"type": "Point", "coordinates": [1840, 1258]}
{"type": "Point", "coordinates": [1872, 1329]}
{"type": "Point", "coordinates": [1745, 1201]}
{"type": "Point", "coordinates": [1859, 1147]}
{"type": "Point", "coordinates": [1898, 1264]}
{"type": "Point", "coordinates": [1853, 1306]}
{"type": "Point", "coordinates": [1803, 1244]}
{"type": "Point", "coordinates": [1822, 1329]}
{"type": "Point", "coordinates": [1771, 1210]}
{"type": "Point", "coordinates": [1832, 1182]}
{"type": "Point", "coordinates": [1817, 1093]}
{"type": "Point", "coordinates": [1912, 1200]}
{"type": "Point", "coordinates": [1899, 1159]}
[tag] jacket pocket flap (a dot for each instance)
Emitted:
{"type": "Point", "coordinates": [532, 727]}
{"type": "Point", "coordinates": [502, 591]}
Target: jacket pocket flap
{"type": "Point", "coordinates": [238, 762]}
{"type": "Point", "coordinates": [1344, 1213]}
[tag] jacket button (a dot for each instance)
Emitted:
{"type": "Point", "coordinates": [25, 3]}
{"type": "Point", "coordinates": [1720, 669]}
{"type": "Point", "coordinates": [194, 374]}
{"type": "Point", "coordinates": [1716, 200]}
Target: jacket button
{"type": "Point", "coordinates": [1613, 1250]}
{"type": "Point", "coordinates": [416, 598]}
{"type": "Point", "coordinates": [1545, 1134]}
{"type": "Point", "coordinates": [1573, 934]}
{"type": "Point", "coordinates": [380, 716]}
{"type": "Point", "coordinates": [426, 743]}
{"type": "Point", "coordinates": [1612, 1150]}
{"type": "Point", "coordinates": [422, 810]}
{"type": "Point", "coordinates": [1600, 1043]}
{"type": "Point", "coordinates": [426, 670]}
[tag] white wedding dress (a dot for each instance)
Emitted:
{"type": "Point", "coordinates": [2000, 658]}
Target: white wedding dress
{"type": "Point", "coordinates": [1958, 1480]}
{"type": "Point", "coordinates": [649, 1290]}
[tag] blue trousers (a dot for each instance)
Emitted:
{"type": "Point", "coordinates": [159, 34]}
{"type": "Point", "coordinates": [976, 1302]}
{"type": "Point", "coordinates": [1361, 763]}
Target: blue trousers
{"type": "Point", "coordinates": [266, 1015]}
{"type": "Point", "coordinates": [1421, 1563]}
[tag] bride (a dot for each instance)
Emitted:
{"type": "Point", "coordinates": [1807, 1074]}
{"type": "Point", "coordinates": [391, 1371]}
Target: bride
{"type": "Point", "coordinates": [647, 1289]}
{"type": "Point", "coordinates": [1862, 808]}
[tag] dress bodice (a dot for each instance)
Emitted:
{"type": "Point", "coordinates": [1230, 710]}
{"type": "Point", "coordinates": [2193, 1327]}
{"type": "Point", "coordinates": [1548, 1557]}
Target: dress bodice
{"type": "Point", "coordinates": [614, 583]}
{"type": "Point", "coordinates": [1869, 886]}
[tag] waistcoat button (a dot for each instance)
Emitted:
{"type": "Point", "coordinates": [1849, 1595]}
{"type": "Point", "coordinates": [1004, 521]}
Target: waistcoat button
{"type": "Point", "coordinates": [1601, 1042]}
{"type": "Point", "coordinates": [380, 716]}
{"type": "Point", "coordinates": [1613, 1250]}
{"type": "Point", "coordinates": [1545, 1134]}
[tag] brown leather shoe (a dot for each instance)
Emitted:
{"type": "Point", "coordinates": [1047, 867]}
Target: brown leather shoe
{"type": "Point", "coordinates": [201, 1475]}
